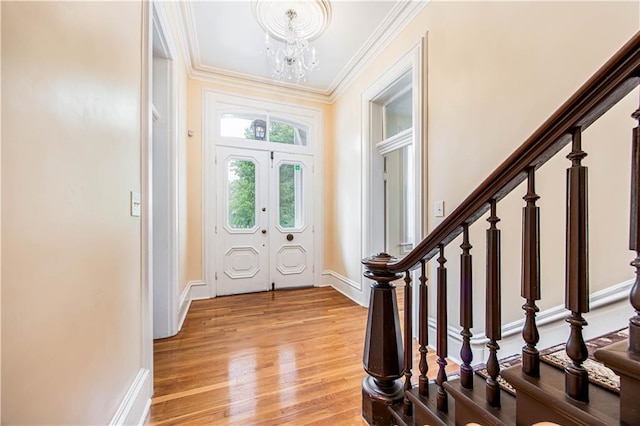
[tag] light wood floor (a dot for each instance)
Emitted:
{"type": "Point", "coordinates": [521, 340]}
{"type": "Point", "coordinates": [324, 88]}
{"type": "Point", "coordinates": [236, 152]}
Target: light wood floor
{"type": "Point", "coordinates": [285, 357]}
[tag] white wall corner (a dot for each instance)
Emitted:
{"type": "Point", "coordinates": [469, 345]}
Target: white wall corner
{"type": "Point", "coordinates": [194, 290]}
{"type": "Point", "coordinates": [134, 408]}
{"type": "Point", "coordinates": [609, 311]}
{"type": "Point", "coordinates": [346, 286]}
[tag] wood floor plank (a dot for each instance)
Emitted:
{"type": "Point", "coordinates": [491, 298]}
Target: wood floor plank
{"type": "Point", "coordinates": [276, 358]}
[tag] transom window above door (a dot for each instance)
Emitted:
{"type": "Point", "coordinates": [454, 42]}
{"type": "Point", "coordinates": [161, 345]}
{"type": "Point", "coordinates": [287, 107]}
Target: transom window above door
{"type": "Point", "coordinates": [262, 127]}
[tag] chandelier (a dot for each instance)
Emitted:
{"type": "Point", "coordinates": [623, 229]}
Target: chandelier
{"type": "Point", "coordinates": [289, 26]}
{"type": "Point", "coordinates": [291, 60]}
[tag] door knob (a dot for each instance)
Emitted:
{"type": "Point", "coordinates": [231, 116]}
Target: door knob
{"type": "Point", "coordinates": [264, 231]}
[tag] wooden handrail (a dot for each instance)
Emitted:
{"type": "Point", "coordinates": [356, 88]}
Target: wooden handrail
{"type": "Point", "coordinates": [612, 82]}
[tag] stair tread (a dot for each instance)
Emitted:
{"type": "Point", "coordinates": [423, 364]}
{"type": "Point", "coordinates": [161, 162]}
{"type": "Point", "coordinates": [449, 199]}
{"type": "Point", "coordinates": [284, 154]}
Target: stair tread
{"type": "Point", "coordinates": [618, 358]}
{"type": "Point", "coordinates": [549, 389]}
{"type": "Point", "coordinates": [476, 401]}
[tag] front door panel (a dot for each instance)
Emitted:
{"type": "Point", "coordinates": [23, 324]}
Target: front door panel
{"type": "Point", "coordinates": [292, 221]}
{"type": "Point", "coordinates": [243, 265]}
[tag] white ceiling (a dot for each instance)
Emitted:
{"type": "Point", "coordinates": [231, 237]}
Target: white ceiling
{"type": "Point", "coordinates": [226, 42]}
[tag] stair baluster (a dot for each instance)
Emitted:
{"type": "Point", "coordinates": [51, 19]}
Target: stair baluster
{"type": "Point", "coordinates": [466, 310]}
{"type": "Point", "coordinates": [493, 313]}
{"type": "Point", "coordinates": [577, 273]}
{"type": "Point", "coordinates": [530, 289]}
{"type": "Point", "coordinates": [634, 237]}
{"type": "Point", "coordinates": [408, 342]}
{"type": "Point", "coordinates": [423, 383]}
{"type": "Point", "coordinates": [442, 350]}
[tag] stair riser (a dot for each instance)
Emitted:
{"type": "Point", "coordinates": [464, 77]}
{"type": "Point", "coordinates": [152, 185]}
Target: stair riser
{"type": "Point", "coordinates": [530, 411]}
{"type": "Point", "coordinates": [629, 407]}
{"type": "Point", "coordinates": [470, 413]}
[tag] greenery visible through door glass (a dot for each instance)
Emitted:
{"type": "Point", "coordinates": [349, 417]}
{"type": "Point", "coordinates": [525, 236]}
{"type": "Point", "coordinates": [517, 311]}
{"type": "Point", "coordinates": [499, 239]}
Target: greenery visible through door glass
{"type": "Point", "coordinates": [282, 133]}
{"type": "Point", "coordinates": [242, 194]}
{"type": "Point", "coordinates": [290, 183]}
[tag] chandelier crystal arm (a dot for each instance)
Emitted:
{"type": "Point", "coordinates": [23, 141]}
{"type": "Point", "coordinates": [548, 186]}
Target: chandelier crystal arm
{"type": "Point", "coordinates": [289, 61]}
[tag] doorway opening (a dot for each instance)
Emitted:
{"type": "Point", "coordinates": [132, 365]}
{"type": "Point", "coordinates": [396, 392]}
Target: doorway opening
{"type": "Point", "coordinates": [393, 159]}
{"type": "Point", "coordinates": [261, 195]}
{"type": "Point", "coordinates": [164, 187]}
{"type": "Point", "coordinates": [265, 220]}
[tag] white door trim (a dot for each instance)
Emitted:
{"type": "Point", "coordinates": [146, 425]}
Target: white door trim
{"type": "Point", "coordinates": [170, 184]}
{"type": "Point", "coordinates": [314, 116]}
{"type": "Point", "coordinates": [145, 389]}
{"type": "Point", "coordinates": [415, 62]}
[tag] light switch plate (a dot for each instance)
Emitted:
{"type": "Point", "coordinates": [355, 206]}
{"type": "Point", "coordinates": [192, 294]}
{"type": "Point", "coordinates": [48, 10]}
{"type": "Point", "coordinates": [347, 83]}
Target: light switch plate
{"type": "Point", "coordinates": [135, 204]}
{"type": "Point", "coordinates": [439, 208]}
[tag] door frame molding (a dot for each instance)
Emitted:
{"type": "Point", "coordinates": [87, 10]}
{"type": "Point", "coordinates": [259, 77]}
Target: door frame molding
{"type": "Point", "coordinates": [314, 116]}
{"type": "Point", "coordinates": [146, 219]}
{"type": "Point", "coordinates": [168, 49]}
{"type": "Point", "coordinates": [414, 61]}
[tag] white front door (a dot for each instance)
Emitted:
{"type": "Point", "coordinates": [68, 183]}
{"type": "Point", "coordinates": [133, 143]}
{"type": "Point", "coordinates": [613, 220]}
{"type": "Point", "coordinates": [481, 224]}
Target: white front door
{"type": "Point", "coordinates": [264, 221]}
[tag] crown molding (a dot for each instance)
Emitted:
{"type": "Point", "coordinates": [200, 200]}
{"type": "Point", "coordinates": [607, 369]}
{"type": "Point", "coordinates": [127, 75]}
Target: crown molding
{"type": "Point", "coordinates": [188, 32]}
{"type": "Point", "coordinates": [400, 15]}
{"type": "Point", "coordinates": [223, 74]}
{"type": "Point", "coordinates": [265, 86]}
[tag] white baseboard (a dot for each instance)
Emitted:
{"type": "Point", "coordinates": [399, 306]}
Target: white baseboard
{"type": "Point", "coordinates": [346, 286]}
{"type": "Point", "coordinates": [135, 405]}
{"type": "Point", "coordinates": [194, 290]}
{"type": "Point", "coordinates": [609, 310]}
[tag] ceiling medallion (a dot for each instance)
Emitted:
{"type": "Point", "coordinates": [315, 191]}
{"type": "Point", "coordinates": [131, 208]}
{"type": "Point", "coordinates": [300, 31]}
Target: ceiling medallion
{"type": "Point", "coordinates": [291, 25]}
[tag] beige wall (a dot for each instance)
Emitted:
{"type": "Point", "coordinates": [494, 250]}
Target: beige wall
{"type": "Point", "coordinates": [496, 71]}
{"type": "Point", "coordinates": [194, 182]}
{"type": "Point", "coordinates": [181, 80]}
{"type": "Point", "coordinates": [0, 217]}
{"type": "Point", "coordinates": [71, 305]}
{"type": "Point", "coordinates": [194, 159]}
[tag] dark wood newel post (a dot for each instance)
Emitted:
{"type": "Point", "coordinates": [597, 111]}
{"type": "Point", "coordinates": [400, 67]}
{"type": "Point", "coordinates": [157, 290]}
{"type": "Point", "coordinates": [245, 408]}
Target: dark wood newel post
{"type": "Point", "coordinates": [383, 353]}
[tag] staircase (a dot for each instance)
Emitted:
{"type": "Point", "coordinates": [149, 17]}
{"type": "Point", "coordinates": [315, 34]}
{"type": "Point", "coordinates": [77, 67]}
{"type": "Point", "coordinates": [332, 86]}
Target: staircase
{"type": "Point", "coordinates": [544, 393]}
